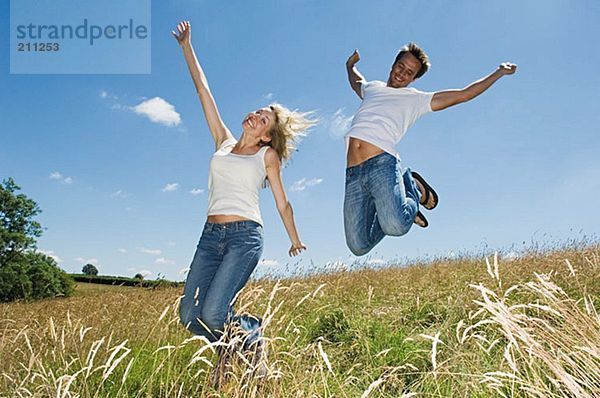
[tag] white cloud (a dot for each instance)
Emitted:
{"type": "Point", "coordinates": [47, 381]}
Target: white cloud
{"type": "Point", "coordinates": [376, 261]}
{"type": "Point", "coordinates": [302, 184]}
{"type": "Point", "coordinates": [269, 96]}
{"type": "Point", "coordinates": [121, 250]}
{"type": "Point", "coordinates": [170, 187]}
{"type": "Point", "coordinates": [158, 111]}
{"type": "Point", "coordinates": [196, 191]}
{"type": "Point", "coordinates": [61, 178]}
{"type": "Point", "coordinates": [268, 263]}
{"type": "Point", "coordinates": [119, 194]}
{"type": "Point", "coordinates": [164, 261]}
{"type": "Point", "coordinates": [510, 256]}
{"type": "Point", "coordinates": [339, 123]}
{"type": "Point", "coordinates": [82, 260]}
{"type": "Point", "coordinates": [105, 95]}
{"type": "Point", "coordinates": [145, 273]}
{"type": "Point", "coordinates": [155, 252]}
{"type": "Point", "coordinates": [335, 266]}
{"type": "Point", "coordinates": [50, 253]}
{"type": "Point", "coordinates": [171, 243]}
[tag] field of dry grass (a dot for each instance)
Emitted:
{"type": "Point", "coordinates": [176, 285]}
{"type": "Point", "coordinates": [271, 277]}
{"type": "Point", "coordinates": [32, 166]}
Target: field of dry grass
{"type": "Point", "coordinates": [521, 327]}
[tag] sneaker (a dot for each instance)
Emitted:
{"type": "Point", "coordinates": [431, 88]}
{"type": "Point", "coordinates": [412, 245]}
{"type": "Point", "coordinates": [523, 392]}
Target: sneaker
{"type": "Point", "coordinates": [258, 351]}
{"type": "Point", "coordinates": [217, 375]}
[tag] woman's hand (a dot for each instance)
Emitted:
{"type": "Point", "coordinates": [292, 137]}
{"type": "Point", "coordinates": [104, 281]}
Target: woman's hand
{"type": "Point", "coordinates": [296, 249]}
{"type": "Point", "coordinates": [184, 33]}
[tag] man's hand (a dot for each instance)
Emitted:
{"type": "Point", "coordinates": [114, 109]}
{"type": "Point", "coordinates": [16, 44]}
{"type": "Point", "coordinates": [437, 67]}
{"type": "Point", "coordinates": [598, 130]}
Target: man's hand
{"type": "Point", "coordinates": [506, 68]}
{"type": "Point", "coordinates": [353, 59]}
{"type": "Point", "coordinates": [444, 99]}
{"type": "Point", "coordinates": [354, 77]}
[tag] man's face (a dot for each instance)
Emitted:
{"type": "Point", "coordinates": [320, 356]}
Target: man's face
{"type": "Point", "coordinates": [404, 71]}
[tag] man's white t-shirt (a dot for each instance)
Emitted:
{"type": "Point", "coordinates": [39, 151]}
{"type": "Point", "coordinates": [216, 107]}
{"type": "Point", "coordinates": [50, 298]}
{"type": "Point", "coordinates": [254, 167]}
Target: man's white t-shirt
{"type": "Point", "coordinates": [386, 113]}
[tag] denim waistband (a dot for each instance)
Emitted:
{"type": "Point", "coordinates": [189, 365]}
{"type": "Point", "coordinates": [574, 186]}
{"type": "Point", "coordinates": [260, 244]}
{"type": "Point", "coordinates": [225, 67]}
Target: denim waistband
{"type": "Point", "coordinates": [372, 162]}
{"type": "Point", "coordinates": [232, 225]}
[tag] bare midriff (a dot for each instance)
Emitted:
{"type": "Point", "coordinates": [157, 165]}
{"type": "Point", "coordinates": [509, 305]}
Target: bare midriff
{"type": "Point", "coordinates": [359, 151]}
{"type": "Point", "coordinates": [224, 218]}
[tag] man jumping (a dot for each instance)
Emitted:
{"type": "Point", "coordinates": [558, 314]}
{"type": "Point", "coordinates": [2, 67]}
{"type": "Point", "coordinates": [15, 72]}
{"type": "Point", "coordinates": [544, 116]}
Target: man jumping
{"type": "Point", "coordinates": [381, 198]}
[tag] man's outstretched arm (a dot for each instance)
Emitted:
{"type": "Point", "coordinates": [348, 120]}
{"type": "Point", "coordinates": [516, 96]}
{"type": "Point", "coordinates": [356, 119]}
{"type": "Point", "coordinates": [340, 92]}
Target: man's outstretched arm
{"type": "Point", "coordinates": [354, 76]}
{"type": "Point", "coordinates": [444, 99]}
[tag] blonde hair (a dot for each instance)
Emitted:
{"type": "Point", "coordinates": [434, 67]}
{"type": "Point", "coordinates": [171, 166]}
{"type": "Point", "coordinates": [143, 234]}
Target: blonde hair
{"type": "Point", "coordinates": [290, 126]}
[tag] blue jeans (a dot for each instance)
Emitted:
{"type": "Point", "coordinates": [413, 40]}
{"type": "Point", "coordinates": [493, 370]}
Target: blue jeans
{"type": "Point", "coordinates": [380, 200]}
{"type": "Point", "coordinates": [225, 257]}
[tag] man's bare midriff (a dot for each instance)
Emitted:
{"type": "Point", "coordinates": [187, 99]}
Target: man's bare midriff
{"type": "Point", "coordinates": [224, 218]}
{"type": "Point", "coordinates": [359, 151]}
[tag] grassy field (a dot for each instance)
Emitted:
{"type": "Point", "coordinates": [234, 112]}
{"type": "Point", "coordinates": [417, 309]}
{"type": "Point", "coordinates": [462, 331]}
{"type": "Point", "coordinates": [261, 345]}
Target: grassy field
{"type": "Point", "coordinates": [514, 328]}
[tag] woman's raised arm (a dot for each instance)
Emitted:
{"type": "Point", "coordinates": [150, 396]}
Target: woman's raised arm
{"type": "Point", "coordinates": [217, 128]}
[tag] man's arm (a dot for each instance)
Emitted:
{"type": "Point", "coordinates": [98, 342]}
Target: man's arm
{"type": "Point", "coordinates": [444, 99]}
{"type": "Point", "coordinates": [354, 76]}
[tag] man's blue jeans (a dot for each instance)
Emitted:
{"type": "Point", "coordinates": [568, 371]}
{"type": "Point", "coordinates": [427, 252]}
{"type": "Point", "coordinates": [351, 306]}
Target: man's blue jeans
{"type": "Point", "coordinates": [380, 200]}
{"type": "Point", "coordinates": [225, 257]}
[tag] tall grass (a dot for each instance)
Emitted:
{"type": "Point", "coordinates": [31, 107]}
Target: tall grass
{"type": "Point", "coordinates": [471, 327]}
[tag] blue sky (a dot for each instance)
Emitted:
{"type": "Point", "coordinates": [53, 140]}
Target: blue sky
{"type": "Point", "coordinates": [517, 165]}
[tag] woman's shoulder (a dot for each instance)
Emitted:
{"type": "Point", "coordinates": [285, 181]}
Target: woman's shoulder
{"type": "Point", "coordinates": [229, 142]}
{"type": "Point", "coordinates": [270, 156]}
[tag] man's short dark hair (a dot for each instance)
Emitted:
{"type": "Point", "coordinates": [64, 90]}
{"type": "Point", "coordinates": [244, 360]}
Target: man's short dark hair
{"type": "Point", "coordinates": [419, 54]}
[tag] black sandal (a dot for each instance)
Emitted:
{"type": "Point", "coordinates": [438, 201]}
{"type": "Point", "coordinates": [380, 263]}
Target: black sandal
{"type": "Point", "coordinates": [423, 223]}
{"type": "Point", "coordinates": [429, 192]}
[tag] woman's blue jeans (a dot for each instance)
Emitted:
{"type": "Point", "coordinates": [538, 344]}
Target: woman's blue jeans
{"type": "Point", "coordinates": [381, 199]}
{"type": "Point", "coordinates": [225, 257]}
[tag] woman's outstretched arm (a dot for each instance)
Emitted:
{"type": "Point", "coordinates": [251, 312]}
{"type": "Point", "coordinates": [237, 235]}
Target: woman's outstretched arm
{"type": "Point", "coordinates": [273, 165]}
{"type": "Point", "coordinates": [217, 128]}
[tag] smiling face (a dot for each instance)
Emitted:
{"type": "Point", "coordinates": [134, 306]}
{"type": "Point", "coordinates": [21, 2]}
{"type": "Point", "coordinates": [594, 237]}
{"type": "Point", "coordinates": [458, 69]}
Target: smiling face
{"type": "Point", "coordinates": [404, 71]}
{"type": "Point", "coordinates": [259, 123]}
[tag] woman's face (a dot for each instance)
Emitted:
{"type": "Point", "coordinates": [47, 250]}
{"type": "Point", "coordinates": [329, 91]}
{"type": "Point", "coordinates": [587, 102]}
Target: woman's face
{"type": "Point", "coordinates": [259, 123]}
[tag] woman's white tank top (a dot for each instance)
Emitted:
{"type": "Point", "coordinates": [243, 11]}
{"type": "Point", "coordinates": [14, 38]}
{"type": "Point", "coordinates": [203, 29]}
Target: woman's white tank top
{"type": "Point", "coordinates": [234, 182]}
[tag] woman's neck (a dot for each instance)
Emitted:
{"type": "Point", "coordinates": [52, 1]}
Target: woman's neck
{"type": "Point", "coordinates": [247, 145]}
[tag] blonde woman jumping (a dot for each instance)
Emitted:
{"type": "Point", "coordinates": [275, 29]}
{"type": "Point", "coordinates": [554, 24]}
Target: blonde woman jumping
{"type": "Point", "coordinates": [232, 240]}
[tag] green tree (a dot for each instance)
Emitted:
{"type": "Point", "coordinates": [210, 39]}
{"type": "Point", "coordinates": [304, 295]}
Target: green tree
{"type": "Point", "coordinates": [47, 280]}
{"type": "Point", "coordinates": [18, 230]}
{"type": "Point", "coordinates": [14, 282]}
{"type": "Point", "coordinates": [33, 276]}
{"type": "Point", "coordinates": [89, 269]}
{"type": "Point", "coordinates": [25, 273]}
{"type": "Point", "coordinates": [139, 276]}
